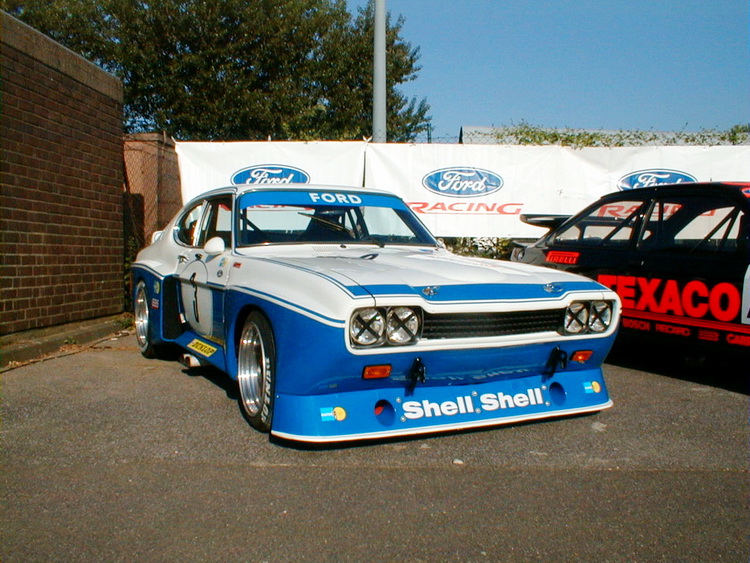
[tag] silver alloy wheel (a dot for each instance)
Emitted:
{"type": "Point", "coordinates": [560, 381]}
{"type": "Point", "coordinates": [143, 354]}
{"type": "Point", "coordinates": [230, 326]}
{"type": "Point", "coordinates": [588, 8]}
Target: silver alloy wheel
{"type": "Point", "coordinates": [140, 308]}
{"type": "Point", "coordinates": [251, 369]}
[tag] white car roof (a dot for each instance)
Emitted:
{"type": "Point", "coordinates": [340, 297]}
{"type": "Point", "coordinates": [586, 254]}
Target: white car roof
{"type": "Point", "coordinates": [244, 188]}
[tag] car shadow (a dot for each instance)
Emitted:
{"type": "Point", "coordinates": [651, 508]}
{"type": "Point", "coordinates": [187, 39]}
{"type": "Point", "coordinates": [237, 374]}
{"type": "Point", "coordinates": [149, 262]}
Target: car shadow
{"type": "Point", "coordinates": [715, 369]}
{"type": "Point", "coordinates": [217, 377]}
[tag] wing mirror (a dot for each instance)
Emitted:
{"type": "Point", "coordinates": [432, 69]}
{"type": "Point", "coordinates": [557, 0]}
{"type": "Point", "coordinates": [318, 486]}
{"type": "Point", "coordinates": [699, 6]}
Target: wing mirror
{"type": "Point", "coordinates": [215, 246]}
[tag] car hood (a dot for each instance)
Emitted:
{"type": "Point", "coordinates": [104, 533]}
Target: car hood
{"type": "Point", "coordinates": [399, 271]}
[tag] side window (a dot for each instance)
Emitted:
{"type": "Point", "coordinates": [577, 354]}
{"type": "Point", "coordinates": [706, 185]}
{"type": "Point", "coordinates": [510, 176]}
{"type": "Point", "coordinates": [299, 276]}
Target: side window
{"type": "Point", "coordinates": [217, 221]}
{"type": "Point", "coordinates": [610, 223]}
{"type": "Point", "coordinates": [187, 228]}
{"type": "Point", "coordinates": [697, 225]}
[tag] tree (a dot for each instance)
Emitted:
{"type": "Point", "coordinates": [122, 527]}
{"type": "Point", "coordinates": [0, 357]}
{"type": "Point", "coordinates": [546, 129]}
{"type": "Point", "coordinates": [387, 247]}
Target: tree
{"type": "Point", "coordinates": [346, 95]}
{"type": "Point", "coordinates": [238, 69]}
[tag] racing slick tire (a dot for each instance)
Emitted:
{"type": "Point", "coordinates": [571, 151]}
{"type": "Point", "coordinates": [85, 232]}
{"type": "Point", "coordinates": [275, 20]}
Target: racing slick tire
{"type": "Point", "coordinates": [143, 326]}
{"type": "Point", "coordinates": [256, 364]}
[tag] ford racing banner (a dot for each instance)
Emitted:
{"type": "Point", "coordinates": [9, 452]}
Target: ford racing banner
{"type": "Point", "coordinates": [462, 190]}
{"type": "Point", "coordinates": [208, 165]}
{"type": "Point", "coordinates": [481, 190]}
{"type": "Point", "coordinates": [625, 168]}
{"type": "Point", "coordinates": [473, 190]}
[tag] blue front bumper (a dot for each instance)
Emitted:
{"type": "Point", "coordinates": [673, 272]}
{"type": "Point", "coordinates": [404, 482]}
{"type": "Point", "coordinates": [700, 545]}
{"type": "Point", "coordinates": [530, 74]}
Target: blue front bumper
{"type": "Point", "coordinates": [382, 413]}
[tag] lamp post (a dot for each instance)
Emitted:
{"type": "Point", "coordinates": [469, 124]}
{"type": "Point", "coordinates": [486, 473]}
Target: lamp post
{"type": "Point", "coordinates": [379, 131]}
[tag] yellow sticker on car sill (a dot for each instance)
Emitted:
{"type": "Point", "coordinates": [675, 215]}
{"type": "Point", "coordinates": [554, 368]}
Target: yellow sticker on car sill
{"type": "Point", "coordinates": [202, 348]}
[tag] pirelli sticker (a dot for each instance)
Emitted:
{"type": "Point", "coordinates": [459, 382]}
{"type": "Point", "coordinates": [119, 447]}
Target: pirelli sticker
{"type": "Point", "coordinates": [202, 348]}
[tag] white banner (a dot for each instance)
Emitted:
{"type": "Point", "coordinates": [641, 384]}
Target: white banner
{"type": "Point", "coordinates": [463, 190]}
{"type": "Point", "coordinates": [208, 165]}
{"type": "Point", "coordinates": [469, 190]}
{"type": "Point", "coordinates": [481, 190]}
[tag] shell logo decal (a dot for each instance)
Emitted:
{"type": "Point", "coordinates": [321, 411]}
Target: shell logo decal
{"type": "Point", "coordinates": [332, 414]}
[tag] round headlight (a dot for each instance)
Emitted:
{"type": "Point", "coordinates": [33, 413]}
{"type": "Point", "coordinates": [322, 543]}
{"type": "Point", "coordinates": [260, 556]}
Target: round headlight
{"type": "Point", "coordinates": [600, 316]}
{"type": "Point", "coordinates": [367, 327]}
{"type": "Point", "coordinates": [576, 318]}
{"type": "Point", "coordinates": [402, 325]}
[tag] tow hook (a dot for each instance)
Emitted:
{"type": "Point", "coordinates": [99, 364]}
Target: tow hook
{"type": "Point", "coordinates": [417, 374]}
{"type": "Point", "coordinates": [558, 359]}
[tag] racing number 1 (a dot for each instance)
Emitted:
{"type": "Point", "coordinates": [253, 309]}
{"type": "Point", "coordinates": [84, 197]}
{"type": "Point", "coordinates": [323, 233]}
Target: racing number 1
{"type": "Point", "coordinates": [195, 298]}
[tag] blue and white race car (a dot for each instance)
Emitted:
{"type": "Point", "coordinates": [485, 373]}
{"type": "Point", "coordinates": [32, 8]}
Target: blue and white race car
{"type": "Point", "coordinates": [342, 318]}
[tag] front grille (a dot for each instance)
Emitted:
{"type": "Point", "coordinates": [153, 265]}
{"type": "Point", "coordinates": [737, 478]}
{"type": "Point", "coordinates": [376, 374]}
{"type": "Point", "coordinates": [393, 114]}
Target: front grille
{"type": "Point", "coordinates": [468, 325]}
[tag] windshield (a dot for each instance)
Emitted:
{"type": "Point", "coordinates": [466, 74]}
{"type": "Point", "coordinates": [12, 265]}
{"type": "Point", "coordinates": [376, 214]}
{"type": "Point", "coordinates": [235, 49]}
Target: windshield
{"type": "Point", "coordinates": [304, 217]}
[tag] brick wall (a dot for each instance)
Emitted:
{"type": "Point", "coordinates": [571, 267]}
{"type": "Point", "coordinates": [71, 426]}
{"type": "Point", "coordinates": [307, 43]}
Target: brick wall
{"type": "Point", "coordinates": [61, 203]}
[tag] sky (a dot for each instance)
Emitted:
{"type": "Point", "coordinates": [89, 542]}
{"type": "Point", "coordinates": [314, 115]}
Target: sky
{"type": "Point", "coordinates": [654, 65]}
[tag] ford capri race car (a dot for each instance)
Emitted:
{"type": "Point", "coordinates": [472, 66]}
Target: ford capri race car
{"type": "Point", "coordinates": [340, 317]}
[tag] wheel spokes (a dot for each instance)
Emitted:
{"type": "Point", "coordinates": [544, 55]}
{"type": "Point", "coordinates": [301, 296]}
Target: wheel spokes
{"type": "Point", "coordinates": [250, 371]}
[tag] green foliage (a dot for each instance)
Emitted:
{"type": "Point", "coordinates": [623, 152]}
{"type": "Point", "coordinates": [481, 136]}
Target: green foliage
{"type": "Point", "coordinates": [484, 247]}
{"type": "Point", "coordinates": [125, 321]}
{"type": "Point", "coordinates": [526, 134]}
{"type": "Point", "coordinates": [238, 69]}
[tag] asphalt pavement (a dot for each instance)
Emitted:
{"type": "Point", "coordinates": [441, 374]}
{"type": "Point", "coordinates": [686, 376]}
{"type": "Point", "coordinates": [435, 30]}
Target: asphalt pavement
{"type": "Point", "coordinates": [108, 456]}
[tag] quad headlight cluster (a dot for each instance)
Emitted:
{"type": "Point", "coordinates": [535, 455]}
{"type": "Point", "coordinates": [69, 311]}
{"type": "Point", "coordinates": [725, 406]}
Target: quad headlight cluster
{"type": "Point", "coordinates": [585, 317]}
{"type": "Point", "coordinates": [385, 326]}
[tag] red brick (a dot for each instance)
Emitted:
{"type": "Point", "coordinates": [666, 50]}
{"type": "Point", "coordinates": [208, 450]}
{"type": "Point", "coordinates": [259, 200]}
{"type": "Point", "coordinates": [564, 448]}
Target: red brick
{"type": "Point", "coordinates": [61, 209]}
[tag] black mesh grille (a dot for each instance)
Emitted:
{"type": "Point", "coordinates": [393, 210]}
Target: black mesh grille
{"type": "Point", "coordinates": [467, 325]}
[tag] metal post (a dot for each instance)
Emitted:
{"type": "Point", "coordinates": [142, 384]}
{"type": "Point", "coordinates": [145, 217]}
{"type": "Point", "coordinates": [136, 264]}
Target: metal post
{"type": "Point", "coordinates": [379, 130]}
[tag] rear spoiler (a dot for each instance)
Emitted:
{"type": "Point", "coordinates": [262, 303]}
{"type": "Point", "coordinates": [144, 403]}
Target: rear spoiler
{"type": "Point", "coordinates": [546, 221]}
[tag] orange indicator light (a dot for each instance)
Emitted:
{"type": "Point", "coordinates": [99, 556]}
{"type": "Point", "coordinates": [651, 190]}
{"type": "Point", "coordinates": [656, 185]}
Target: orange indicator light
{"type": "Point", "coordinates": [376, 372]}
{"type": "Point", "coordinates": [582, 356]}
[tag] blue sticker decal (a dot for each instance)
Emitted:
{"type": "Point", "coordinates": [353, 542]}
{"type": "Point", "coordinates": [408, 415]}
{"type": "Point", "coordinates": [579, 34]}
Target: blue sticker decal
{"type": "Point", "coordinates": [312, 198]}
{"type": "Point", "coordinates": [332, 414]}
{"type": "Point", "coordinates": [462, 182]}
{"type": "Point", "coordinates": [592, 387]}
{"type": "Point", "coordinates": [270, 174]}
{"type": "Point", "coordinates": [653, 177]}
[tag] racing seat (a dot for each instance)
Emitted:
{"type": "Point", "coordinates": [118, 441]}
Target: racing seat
{"type": "Point", "coordinates": [326, 227]}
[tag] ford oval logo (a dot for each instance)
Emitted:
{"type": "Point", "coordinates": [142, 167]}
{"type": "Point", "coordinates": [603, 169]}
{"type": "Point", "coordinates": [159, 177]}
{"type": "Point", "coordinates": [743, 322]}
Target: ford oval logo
{"type": "Point", "coordinates": [653, 177]}
{"type": "Point", "coordinates": [553, 287]}
{"type": "Point", "coordinates": [270, 174]}
{"type": "Point", "coordinates": [462, 182]}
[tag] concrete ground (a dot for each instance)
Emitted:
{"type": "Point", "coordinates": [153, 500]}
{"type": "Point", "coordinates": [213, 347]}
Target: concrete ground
{"type": "Point", "coordinates": [108, 456]}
